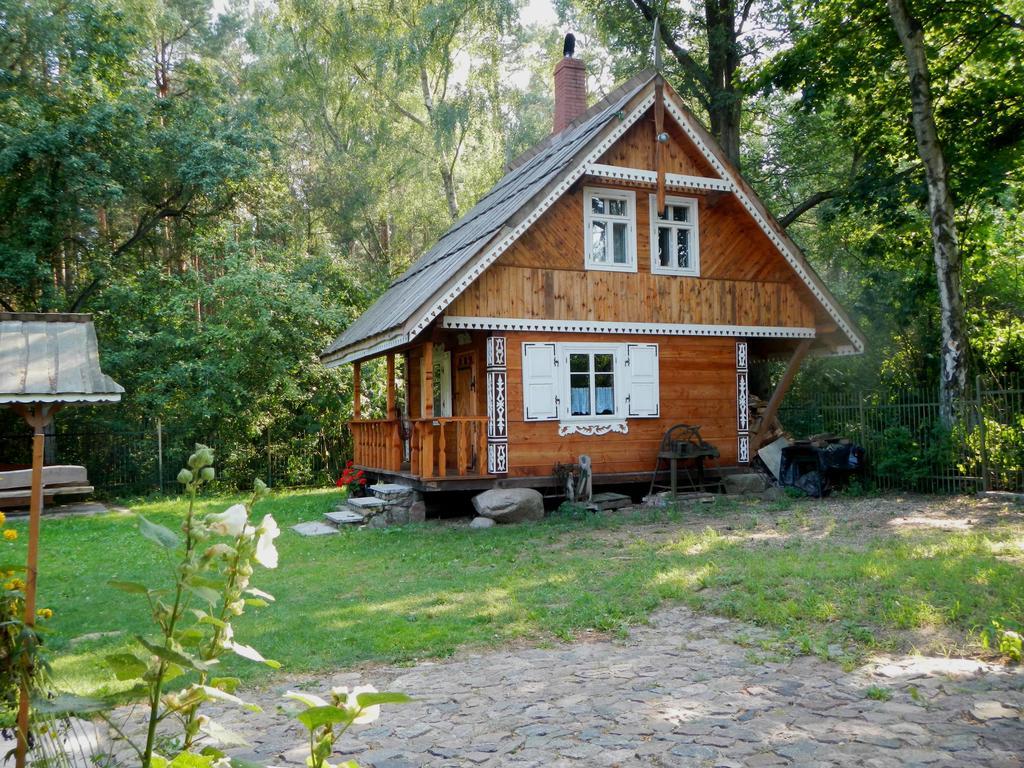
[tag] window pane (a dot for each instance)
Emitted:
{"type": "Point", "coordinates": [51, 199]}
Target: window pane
{"type": "Point", "coordinates": [579, 363]}
{"type": "Point", "coordinates": [616, 207]}
{"type": "Point", "coordinates": [683, 248]}
{"type": "Point", "coordinates": [604, 391]}
{"type": "Point", "coordinates": [619, 252]}
{"type": "Point", "coordinates": [604, 363]}
{"type": "Point", "coordinates": [597, 204]}
{"type": "Point", "coordinates": [680, 213]}
{"type": "Point", "coordinates": [598, 242]}
{"type": "Point", "coordinates": [664, 246]}
{"type": "Point", "coordinates": [579, 394]}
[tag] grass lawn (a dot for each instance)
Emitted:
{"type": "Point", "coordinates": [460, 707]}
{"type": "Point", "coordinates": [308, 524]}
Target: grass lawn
{"type": "Point", "coordinates": [835, 578]}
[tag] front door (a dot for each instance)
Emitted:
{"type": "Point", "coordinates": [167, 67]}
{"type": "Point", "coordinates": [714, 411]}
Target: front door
{"type": "Point", "coordinates": [465, 384]}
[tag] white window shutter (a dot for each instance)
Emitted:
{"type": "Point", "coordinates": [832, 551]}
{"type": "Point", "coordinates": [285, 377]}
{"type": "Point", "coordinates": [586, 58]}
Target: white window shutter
{"type": "Point", "coordinates": [642, 367]}
{"type": "Point", "coordinates": [540, 382]}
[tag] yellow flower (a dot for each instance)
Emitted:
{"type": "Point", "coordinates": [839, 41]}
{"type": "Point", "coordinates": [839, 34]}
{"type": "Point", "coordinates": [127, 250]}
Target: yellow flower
{"type": "Point", "coordinates": [3, 518]}
{"type": "Point", "coordinates": [17, 584]}
{"type": "Point", "coordinates": [9, 586]}
{"type": "Point", "coordinates": [10, 534]}
{"type": "Point", "coordinates": [44, 613]}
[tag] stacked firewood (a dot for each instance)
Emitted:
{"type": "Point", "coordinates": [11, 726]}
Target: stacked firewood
{"type": "Point", "coordinates": [757, 408]}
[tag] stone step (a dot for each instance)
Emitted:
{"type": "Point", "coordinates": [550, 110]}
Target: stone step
{"type": "Point", "coordinates": [314, 528]}
{"type": "Point", "coordinates": [367, 504]}
{"type": "Point", "coordinates": [344, 516]}
{"type": "Point", "coordinates": [389, 491]}
{"type": "Point", "coordinates": [607, 501]}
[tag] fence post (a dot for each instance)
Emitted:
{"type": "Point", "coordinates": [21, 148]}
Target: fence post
{"type": "Point", "coordinates": [159, 454]}
{"type": "Point", "coordinates": [982, 434]}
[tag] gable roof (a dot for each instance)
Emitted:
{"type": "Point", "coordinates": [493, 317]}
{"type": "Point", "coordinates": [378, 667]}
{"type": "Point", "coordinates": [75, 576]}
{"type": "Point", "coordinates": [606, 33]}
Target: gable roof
{"type": "Point", "coordinates": [537, 179]}
{"type": "Point", "coordinates": [52, 358]}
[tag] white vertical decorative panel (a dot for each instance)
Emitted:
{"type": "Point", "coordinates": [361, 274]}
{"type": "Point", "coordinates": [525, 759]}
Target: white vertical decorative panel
{"type": "Point", "coordinates": [497, 406]}
{"type": "Point", "coordinates": [642, 363]}
{"type": "Point", "coordinates": [540, 382]}
{"type": "Point", "coordinates": [742, 405]}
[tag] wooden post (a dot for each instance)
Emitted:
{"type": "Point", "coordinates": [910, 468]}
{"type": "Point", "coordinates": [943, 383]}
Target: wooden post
{"type": "Point", "coordinates": [391, 386]}
{"type": "Point", "coordinates": [357, 390]}
{"type": "Point", "coordinates": [659, 145]}
{"type": "Point", "coordinates": [986, 484]}
{"type": "Point", "coordinates": [37, 417]}
{"type": "Point", "coordinates": [427, 445]}
{"type": "Point", "coordinates": [159, 454]}
{"type": "Point", "coordinates": [780, 392]}
{"type": "Point", "coordinates": [394, 439]}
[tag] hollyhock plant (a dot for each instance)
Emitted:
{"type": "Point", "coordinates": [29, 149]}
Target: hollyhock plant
{"type": "Point", "coordinates": [353, 480]}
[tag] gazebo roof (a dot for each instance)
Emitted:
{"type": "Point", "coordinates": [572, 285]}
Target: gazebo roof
{"type": "Point", "coordinates": [52, 358]}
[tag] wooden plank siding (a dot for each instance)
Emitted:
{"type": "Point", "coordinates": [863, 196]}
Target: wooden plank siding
{"type": "Point", "coordinates": [698, 386]}
{"type": "Point", "coordinates": [636, 150]}
{"type": "Point", "coordinates": [743, 278]}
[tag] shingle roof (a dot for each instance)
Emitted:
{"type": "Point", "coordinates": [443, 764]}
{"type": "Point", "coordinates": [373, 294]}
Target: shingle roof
{"type": "Point", "coordinates": [466, 238]}
{"type": "Point", "coordinates": [51, 358]}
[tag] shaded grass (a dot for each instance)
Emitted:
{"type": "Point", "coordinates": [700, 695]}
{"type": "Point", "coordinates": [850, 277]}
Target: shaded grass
{"type": "Point", "coordinates": [397, 595]}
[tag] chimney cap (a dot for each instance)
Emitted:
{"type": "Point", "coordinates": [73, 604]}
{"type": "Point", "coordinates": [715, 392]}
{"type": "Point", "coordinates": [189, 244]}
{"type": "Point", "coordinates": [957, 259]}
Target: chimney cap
{"type": "Point", "coordinates": [569, 46]}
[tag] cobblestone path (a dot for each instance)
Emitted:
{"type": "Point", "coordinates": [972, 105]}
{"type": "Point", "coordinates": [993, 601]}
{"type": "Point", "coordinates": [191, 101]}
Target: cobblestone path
{"type": "Point", "coordinates": [676, 693]}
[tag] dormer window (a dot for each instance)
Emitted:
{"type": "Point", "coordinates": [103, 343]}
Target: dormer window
{"type": "Point", "coordinates": [609, 229]}
{"type": "Point", "coordinates": [675, 249]}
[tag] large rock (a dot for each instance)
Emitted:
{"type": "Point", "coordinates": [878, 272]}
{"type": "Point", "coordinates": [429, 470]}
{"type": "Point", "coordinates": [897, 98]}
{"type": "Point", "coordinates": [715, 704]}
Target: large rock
{"type": "Point", "coordinates": [481, 522]}
{"type": "Point", "coordinates": [417, 512]}
{"type": "Point", "coordinates": [510, 505]}
{"type": "Point", "coordinates": [748, 482]}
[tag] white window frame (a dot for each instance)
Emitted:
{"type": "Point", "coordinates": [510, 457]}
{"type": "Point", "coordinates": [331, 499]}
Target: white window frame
{"type": "Point", "coordinates": [692, 225]}
{"type": "Point", "coordinates": [589, 217]}
{"type": "Point", "coordinates": [618, 353]}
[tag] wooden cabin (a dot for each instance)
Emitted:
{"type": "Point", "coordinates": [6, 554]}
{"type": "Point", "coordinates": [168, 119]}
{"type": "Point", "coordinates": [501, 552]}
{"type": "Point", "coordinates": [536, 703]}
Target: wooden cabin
{"type": "Point", "coordinates": [572, 312]}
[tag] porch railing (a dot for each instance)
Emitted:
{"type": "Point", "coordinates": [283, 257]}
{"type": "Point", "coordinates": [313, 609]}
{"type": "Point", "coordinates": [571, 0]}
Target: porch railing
{"type": "Point", "coordinates": [376, 443]}
{"type": "Point", "coordinates": [449, 446]}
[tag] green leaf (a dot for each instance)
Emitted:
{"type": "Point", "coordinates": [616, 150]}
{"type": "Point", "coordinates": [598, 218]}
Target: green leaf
{"type": "Point", "coordinates": [190, 637]}
{"type": "Point", "coordinates": [256, 602]}
{"type": "Point", "coordinates": [221, 695]}
{"type": "Point", "coordinates": [383, 697]}
{"type": "Point", "coordinates": [208, 594]}
{"type": "Point", "coordinates": [348, 764]}
{"type": "Point", "coordinates": [166, 654]}
{"type": "Point", "coordinates": [132, 587]}
{"type": "Point", "coordinates": [226, 684]}
{"type": "Point", "coordinates": [68, 704]}
{"type": "Point", "coordinates": [237, 762]}
{"type": "Point", "coordinates": [222, 735]}
{"type": "Point", "coordinates": [165, 537]}
{"type": "Point", "coordinates": [207, 619]}
{"type": "Point", "coordinates": [191, 760]}
{"type": "Point", "coordinates": [315, 717]}
{"type": "Point", "coordinates": [126, 666]}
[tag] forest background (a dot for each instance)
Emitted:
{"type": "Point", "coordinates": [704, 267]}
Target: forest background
{"type": "Point", "coordinates": [225, 187]}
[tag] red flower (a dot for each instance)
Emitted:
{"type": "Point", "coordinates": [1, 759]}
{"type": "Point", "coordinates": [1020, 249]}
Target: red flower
{"type": "Point", "coordinates": [341, 482]}
{"type": "Point", "coordinates": [362, 481]}
{"type": "Point", "coordinates": [349, 463]}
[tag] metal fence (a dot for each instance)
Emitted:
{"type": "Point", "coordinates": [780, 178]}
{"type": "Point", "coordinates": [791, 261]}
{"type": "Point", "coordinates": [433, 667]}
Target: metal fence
{"type": "Point", "coordinates": [907, 446]}
{"type": "Point", "coordinates": [128, 462]}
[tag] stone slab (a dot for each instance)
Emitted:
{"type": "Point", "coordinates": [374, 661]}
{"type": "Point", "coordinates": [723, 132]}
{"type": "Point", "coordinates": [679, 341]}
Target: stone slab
{"type": "Point", "coordinates": [314, 528]}
{"type": "Point", "coordinates": [368, 503]}
{"type": "Point", "coordinates": [343, 516]}
{"type": "Point", "coordinates": [606, 501]}
{"type": "Point", "coordinates": [390, 489]}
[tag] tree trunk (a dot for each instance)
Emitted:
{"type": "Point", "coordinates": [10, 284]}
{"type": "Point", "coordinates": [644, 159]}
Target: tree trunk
{"type": "Point", "coordinates": [444, 164]}
{"type": "Point", "coordinates": [945, 244]}
{"type": "Point", "coordinates": [723, 61]}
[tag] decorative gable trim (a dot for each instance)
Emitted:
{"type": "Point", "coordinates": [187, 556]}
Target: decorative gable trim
{"type": "Point", "coordinates": [672, 180]}
{"type": "Point", "coordinates": [503, 244]}
{"type": "Point", "coordinates": [794, 260]}
{"type": "Point", "coordinates": [455, 322]}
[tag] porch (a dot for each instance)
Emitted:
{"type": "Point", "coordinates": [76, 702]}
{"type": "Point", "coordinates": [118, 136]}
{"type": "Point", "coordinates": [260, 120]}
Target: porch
{"type": "Point", "coordinates": [435, 425]}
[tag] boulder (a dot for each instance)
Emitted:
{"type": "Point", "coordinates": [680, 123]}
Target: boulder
{"type": "Point", "coordinates": [397, 515]}
{"type": "Point", "coordinates": [482, 522]}
{"type": "Point", "coordinates": [510, 505]}
{"type": "Point", "coordinates": [417, 512]}
{"type": "Point", "coordinates": [378, 521]}
{"type": "Point", "coordinates": [748, 482]}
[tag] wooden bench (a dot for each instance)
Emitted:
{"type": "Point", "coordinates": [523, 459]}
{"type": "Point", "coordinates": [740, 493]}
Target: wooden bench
{"type": "Point", "coordinates": [59, 480]}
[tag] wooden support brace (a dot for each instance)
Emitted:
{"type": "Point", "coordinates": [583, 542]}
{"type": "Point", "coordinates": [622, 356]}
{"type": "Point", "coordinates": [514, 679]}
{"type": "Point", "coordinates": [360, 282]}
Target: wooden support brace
{"type": "Point", "coordinates": [357, 390]}
{"type": "Point", "coordinates": [780, 392]}
{"type": "Point", "coordinates": [659, 145]}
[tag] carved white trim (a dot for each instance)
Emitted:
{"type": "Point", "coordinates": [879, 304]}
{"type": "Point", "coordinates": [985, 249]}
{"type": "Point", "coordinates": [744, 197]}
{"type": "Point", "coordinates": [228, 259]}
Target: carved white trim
{"type": "Point", "coordinates": [502, 245]}
{"type": "Point", "coordinates": [497, 458]}
{"type": "Point", "coordinates": [457, 322]}
{"type": "Point", "coordinates": [784, 248]}
{"type": "Point", "coordinates": [497, 405]}
{"type": "Point", "coordinates": [742, 404]}
{"type": "Point", "coordinates": [496, 351]}
{"type": "Point", "coordinates": [591, 428]}
{"type": "Point", "coordinates": [672, 180]}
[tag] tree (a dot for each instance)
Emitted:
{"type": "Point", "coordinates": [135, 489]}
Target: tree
{"type": "Point", "coordinates": [945, 243]}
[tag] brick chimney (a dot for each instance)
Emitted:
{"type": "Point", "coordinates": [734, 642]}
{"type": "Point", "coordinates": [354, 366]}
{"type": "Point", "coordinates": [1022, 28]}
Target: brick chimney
{"type": "Point", "coordinates": [570, 88]}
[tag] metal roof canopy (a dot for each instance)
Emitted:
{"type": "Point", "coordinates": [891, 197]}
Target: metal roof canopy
{"type": "Point", "coordinates": [52, 358]}
{"type": "Point", "coordinates": [47, 361]}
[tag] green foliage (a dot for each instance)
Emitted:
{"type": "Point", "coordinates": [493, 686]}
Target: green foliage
{"type": "Point", "coordinates": [878, 693]}
{"type": "Point", "coordinates": [1009, 643]}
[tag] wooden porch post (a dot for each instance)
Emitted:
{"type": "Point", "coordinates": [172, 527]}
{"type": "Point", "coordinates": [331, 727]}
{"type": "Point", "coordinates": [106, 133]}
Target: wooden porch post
{"type": "Point", "coordinates": [37, 418]}
{"type": "Point", "coordinates": [427, 447]}
{"type": "Point", "coordinates": [394, 439]}
{"type": "Point", "coordinates": [780, 392]}
{"type": "Point", "coordinates": [357, 390]}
